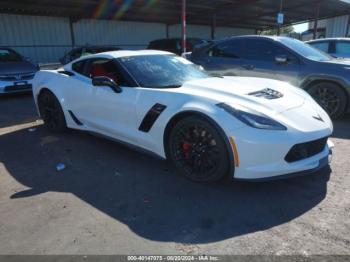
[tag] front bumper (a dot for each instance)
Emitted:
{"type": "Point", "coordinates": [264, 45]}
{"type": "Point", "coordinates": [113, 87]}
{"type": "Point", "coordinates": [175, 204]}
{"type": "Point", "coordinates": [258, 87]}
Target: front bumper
{"type": "Point", "coordinates": [9, 87]}
{"type": "Point", "coordinates": [262, 155]}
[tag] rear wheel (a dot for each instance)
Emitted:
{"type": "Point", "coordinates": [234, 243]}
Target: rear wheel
{"type": "Point", "coordinates": [197, 150]}
{"type": "Point", "coordinates": [330, 97]}
{"type": "Point", "coordinates": [51, 112]}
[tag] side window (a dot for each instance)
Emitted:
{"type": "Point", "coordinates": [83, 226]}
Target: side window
{"type": "Point", "coordinates": [79, 67]}
{"type": "Point", "coordinates": [323, 46]}
{"type": "Point", "coordinates": [263, 50]}
{"type": "Point", "coordinates": [228, 49]}
{"type": "Point", "coordinates": [108, 68]}
{"type": "Point", "coordinates": [342, 49]}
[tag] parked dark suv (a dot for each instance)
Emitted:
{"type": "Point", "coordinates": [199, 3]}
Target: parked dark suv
{"type": "Point", "coordinates": [325, 78]}
{"type": "Point", "coordinates": [77, 52]}
{"type": "Point", "coordinates": [174, 45]}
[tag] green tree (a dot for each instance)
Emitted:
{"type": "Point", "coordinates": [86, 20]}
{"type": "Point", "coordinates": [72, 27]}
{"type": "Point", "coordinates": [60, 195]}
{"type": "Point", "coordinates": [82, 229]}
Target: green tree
{"type": "Point", "coordinates": [286, 30]}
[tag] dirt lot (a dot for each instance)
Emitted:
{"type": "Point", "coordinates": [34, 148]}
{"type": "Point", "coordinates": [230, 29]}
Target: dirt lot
{"type": "Point", "coordinates": [112, 200]}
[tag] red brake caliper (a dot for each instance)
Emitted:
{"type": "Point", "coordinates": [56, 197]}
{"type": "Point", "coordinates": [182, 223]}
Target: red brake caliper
{"type": "Point", "coordinates": [186, 150]}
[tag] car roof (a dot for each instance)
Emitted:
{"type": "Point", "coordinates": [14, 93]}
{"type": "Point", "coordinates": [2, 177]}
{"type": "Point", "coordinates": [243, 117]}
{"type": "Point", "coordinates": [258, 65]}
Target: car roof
{"type": "Point", "coordinates": [124, 53]}
{"type": "Point", "coordinates": [276, 38]}
{"type": "Point", "coordinates": [329, 39]}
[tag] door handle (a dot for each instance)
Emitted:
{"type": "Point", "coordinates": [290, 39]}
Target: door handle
{"type": "Point", "coordinates": [248, 67]}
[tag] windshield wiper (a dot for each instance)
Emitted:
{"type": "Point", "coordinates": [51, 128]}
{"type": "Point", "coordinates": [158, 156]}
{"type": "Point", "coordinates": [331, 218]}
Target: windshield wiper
{"type": "Point", "coordinates": [170, 86]}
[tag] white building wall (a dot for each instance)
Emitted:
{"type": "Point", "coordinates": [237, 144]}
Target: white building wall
{"type": "Point", "coordinates": [204, 32]}
{"type": "Point", "coordinates": [336, 27]}
{"type": "Point", "coordinates": [198, 31]}
{"type": "Point", "coordinates": [39, 38]}
{"type": "Point", "coordinates": [222, 32]}
{"type": "Point", "coordinates": [127, 35]}
{"type": "Point", "coordinates": [45, 39]}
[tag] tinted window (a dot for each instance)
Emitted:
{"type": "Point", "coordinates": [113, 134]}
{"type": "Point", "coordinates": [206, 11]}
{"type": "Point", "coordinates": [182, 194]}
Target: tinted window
{"type": "Point", "coordinates": [323, 46]}
{"type": "Point", "coordinates": [105, 67]}
{"type": "Point", "coordinates": [7, 55]}
{"type": "Point", "coordinates": [79, 67]}
{"type": "Point", "coordinates": [228, 49]}
{"type": "Point", "coordinates": [342, 49]}
{"type": "Point", "coordinates": [264, 50]}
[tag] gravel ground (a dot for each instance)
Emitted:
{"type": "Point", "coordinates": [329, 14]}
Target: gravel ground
{"type": "Point", "coordinates": [113, 200]}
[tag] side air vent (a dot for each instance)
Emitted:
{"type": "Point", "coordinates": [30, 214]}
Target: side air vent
{"type": "Point", "coordinates": [267, 93]}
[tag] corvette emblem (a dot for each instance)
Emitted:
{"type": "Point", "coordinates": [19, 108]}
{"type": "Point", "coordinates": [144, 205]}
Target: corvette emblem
{"type": "Point", "coordinates": [318, 117]}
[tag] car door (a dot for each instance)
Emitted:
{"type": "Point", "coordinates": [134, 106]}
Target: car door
{"type": "Point", "coordinates": [261, 60]}
{"type": "Point", "coordinates": [225, 58]}
{"type": "Point", "coordinates": [99, 107]}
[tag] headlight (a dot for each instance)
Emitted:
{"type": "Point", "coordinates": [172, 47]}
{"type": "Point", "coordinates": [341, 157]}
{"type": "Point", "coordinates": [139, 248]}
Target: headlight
{"type": "Point", "coordinates": [253, 120]}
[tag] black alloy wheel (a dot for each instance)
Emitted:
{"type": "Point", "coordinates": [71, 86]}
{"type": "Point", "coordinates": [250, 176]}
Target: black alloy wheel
{"type": "Point", "coordinates": [198, 151]}
{"type": "Point", "coordinates": [51, 112]}
{"type": "Point", "coordinates": [330, 97]}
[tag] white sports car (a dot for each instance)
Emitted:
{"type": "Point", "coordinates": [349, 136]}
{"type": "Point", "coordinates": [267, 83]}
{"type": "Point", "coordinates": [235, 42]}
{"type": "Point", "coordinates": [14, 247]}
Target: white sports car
{"type": "Point", "coordinates": [250, 128]}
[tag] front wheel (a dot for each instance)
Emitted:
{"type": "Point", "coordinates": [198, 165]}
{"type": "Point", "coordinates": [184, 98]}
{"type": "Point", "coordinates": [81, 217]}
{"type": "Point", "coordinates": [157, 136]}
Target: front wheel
{"type": "Point", "coordinates": [51, 112]}
{"type": "Point", "coordinates": [330, 97]}
{"type": "Point", "coordinates": [197, 150]}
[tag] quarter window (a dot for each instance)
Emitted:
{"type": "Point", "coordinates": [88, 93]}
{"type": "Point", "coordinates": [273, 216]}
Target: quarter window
{"type": "Point", "coordinates": [79, 67]}
{"type": "Point", "coordinates": [228, 49]}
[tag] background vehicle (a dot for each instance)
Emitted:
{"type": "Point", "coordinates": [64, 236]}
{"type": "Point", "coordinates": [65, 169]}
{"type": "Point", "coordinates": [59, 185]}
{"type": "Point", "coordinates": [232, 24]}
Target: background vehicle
{"type": "Point", "coordinates": [336, 47]}
{"type": "Point", "coordinates": [282, 58]}
{"type": "Point", "coordinates": [208, 126]}
{"type": "Point", "coordinates": [77, 52]}
{"type": "Point", "coordinates": [16, 72]}
{"type": "Point", "coordinates": [174, 45]}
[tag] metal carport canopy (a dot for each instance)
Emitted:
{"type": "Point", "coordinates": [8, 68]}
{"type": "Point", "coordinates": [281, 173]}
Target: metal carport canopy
{"type": "Point", "coordinates": [256, 14]}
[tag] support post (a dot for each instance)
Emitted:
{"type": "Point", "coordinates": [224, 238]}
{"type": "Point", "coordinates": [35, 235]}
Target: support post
{"type": "Point", "coordinates": [183, 23]}
{"type": "Point", "coordinates": [347, 27]}
{"type": "Point", "coordinates": [167, 31]}
{"type": "Point", "coordinates": [71, 29]}
{"type": "Point", "coordinates": [317, 14]}
{"type": "Point", "coordinates": [213, 27]}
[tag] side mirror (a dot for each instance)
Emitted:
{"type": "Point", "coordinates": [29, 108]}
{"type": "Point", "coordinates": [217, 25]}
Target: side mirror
{"type": "Point", "coordinates": [281, 59]}
{"type": "Point", "coordinates": [106, 81]}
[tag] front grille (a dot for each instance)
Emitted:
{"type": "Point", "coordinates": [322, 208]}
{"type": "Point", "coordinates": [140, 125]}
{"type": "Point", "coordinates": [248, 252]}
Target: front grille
{"type": "Point", "coordinates": [17, 77]}
{"type": "Point", "coordinates": [17, 88]}
{"type": "Point", "coordinates": [306, 150]}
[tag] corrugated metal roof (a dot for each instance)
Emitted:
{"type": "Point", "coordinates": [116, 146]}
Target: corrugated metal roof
{"type": "Point", "coordinates": [258, 14]}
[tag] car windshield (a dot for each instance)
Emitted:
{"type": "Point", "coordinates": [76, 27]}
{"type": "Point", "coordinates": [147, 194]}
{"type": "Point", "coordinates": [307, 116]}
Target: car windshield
{"type": "Point", "coordinates": [305, 50]}
{"type": "Point", "coordinates": [7, 55]}
{"type": "Point", "coordinates": [161, 71]}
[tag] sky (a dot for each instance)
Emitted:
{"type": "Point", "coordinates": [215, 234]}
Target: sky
{"type": "Point", "coordinates": [301, 28]}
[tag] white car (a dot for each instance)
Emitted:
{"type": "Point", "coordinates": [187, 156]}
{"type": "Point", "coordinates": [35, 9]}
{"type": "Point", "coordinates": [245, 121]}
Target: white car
{"type": "Point", "coordinates": [210, 127]}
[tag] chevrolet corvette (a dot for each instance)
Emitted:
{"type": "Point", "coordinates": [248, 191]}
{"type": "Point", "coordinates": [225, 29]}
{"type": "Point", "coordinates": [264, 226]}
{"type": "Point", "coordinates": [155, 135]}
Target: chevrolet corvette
{"type": "Point", "coordinates": [209, 127]}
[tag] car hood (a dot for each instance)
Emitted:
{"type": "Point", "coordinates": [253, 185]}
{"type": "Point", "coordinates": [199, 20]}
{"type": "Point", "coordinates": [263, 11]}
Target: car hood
{"type": "Point", "coordinates": [22, 67]}
{"type": "Point", "coordinates": [249, 92]}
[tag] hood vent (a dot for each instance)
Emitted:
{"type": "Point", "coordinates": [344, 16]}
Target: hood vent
{"type": "Point", "coordinates": [267, 93]}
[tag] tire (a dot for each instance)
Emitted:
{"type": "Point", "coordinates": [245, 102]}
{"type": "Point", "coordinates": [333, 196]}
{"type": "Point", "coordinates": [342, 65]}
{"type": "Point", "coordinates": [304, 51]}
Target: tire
{"type": "Point", "coordinates": [198, 150]}
{"type": "Point", "coordinates": [51, 112]}
{"type": "Point", "coordinates": [330, 97]}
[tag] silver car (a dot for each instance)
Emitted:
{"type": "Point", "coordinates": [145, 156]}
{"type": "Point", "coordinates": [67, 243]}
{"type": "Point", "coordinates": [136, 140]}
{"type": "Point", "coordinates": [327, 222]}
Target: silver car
{"type": "Point", "coordinates": [16, 73]}
{"type": "Point", "coordinates": [336, 47]}
{"type": "Point", "coordinates": [282, 58]}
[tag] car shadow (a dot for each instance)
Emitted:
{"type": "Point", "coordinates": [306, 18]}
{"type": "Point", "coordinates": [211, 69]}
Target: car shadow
{"type": "Point", "coordinates": [146, 194]}
{"type": "Point", "coordinates": [342, 127]}
{"type": "Point", "coordinates": [21, 107]}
